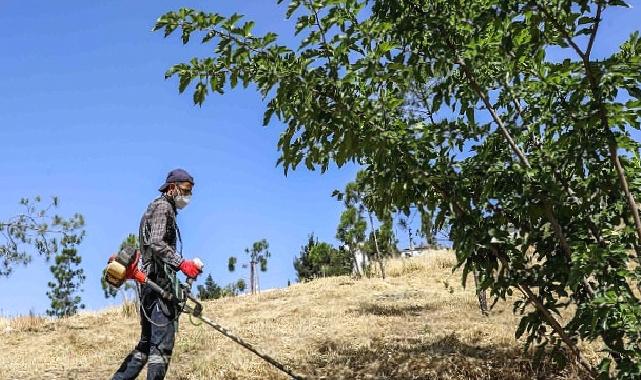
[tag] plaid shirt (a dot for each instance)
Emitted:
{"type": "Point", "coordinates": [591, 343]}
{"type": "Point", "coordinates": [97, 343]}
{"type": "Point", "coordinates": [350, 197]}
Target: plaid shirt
{"type": "Point", "coordinates": [158, 235]}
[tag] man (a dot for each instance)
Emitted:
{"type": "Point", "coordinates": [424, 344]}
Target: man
{"type": "Point", "coordinates": [159, 234]}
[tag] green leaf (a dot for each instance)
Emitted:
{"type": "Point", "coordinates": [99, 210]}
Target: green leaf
{"type": "Point", "coordinates": [200, 93]}
{"type": "Point", "coordinates": [184, 81]}
{"type": "Point", "coordinates": [247, 28]}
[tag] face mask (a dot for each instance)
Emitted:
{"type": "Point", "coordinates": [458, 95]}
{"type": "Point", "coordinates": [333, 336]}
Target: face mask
{"type": "Point", "coordinates": [182, 201]}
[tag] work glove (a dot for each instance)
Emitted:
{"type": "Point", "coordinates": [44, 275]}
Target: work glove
{"type": "Point", "coordinates": [190, 268]}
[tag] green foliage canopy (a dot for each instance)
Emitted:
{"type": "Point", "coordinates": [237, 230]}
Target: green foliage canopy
{"type": "Point", "coordinates": [210, 290]}
{"type": "Point", "coordinates": [386, 239]}
{"type": "Point", "coordinates": [454, 107]}
{"type": "Point", "coordinates": [320, 259]}
{"type": "Point", "coordinates": [351, 228]}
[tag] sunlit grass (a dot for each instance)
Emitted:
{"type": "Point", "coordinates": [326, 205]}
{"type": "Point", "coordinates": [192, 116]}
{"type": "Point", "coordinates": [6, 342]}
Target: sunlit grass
{"type": "Point", "coordinates": [409, 326]}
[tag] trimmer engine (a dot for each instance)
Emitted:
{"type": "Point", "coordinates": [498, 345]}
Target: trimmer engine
{"type": "Point", "coordinates": [124, 266]}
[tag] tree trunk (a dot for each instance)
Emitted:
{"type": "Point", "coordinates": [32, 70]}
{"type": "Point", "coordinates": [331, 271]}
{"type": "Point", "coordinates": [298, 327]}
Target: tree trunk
{"type": "Point", "coordinates": [378, 253]}
{"type": "Point", "coordinates": [356, 272]}
{"type": "Point", "coordinates": [252, 274]}
{"type": "Point", "coordinates": [257, 281]}
{"type": "Point", "coordinates": [480, 293]}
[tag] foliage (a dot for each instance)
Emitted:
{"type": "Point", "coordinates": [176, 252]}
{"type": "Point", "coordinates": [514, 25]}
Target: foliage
{"type": "Point", "coordinates": [210, 290]}
{"type": "Point", "coordinates": [234, 288]}
{"type": "Point", "coordinates": [527, 159]}
{"type": "Point", "coordinates": [258, 255]}
{"type": "Point", "coordinates": [68, 278]}
{"type": "Point", "coordinates": [425, 234]}
{"type": "Point", "coordinates": [351, 228]}
{"type": "Point", "coordinates": [385, 239]}
{"type": "Point", "coordinates": [351, 233]}
{"type": "Point", "coordinates": [427, 230]}
{"type": "Point", "coordinates": [320, 259]}
{"type": "Point", "coordinates": [35, 228]}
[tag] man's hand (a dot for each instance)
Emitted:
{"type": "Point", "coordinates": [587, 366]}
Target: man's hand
{"type": "Point", "coordinates": [190, 268]}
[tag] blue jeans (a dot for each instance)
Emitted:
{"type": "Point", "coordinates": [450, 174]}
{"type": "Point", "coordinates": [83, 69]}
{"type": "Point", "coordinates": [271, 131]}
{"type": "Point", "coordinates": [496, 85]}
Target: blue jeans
{"type": "Point", "coordinates": [156, 339]}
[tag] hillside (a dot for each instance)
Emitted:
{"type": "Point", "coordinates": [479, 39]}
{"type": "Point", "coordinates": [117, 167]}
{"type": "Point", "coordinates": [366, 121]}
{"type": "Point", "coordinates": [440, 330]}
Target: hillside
{"type": "Point", "coordinates": [410, 326]}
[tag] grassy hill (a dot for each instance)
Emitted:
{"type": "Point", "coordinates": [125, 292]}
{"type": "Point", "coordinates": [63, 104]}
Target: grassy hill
{"type": "Point", "coordinates": [410, 326]}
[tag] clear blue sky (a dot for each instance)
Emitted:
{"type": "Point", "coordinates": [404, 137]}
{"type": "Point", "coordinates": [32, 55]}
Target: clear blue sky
{"type": "Point", "coordinates": [86, 115]}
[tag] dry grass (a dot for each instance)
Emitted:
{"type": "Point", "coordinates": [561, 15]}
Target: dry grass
{"type": "Point", "coordinates": [24, 323]}
{"type": "Point", "coordinates": [406, 327]}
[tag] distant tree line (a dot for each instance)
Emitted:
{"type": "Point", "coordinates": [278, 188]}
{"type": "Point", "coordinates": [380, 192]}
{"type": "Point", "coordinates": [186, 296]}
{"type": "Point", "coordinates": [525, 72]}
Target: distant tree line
{"type": "Point", "coordinates": [211, 290]}
{"type": "Point", "coordinates": [363, 235]}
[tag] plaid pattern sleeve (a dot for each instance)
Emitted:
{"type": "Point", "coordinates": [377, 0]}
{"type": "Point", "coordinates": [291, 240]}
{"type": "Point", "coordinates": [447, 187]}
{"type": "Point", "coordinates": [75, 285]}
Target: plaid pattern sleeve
{"type": "Point", "coordinates": [162, 234]}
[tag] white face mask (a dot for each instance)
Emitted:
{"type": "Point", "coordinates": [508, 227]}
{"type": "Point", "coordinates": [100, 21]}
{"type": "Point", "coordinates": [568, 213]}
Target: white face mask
{"type": "Point", "coordinates": [182, 200]}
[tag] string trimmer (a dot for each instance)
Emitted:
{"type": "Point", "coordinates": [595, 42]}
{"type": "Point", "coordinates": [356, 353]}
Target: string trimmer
{"type": "Point", "coordinates": [124, 266]}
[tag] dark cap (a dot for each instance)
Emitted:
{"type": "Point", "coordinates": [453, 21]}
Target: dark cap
{"type": "Point", "coordinates": [176, 175]}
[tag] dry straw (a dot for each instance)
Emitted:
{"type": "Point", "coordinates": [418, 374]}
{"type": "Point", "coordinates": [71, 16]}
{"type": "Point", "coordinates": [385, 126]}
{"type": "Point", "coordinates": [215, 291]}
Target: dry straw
{"type": "Point", "coordinates": [406, 327]}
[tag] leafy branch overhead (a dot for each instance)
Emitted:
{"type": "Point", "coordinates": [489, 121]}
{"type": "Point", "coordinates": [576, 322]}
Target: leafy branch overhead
{"type": "Point", "coordinates": [453, 108]}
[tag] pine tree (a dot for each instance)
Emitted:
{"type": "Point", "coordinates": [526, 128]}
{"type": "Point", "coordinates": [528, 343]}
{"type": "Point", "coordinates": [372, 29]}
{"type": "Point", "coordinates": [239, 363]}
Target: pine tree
{"type": "Point", "coordinates": [320, 259]}
{"type": "Point", "coordinates": [211, 290]}
{"type": "Point", "coordinates": [68, 276]}
{"type": "Point", "coordinates": [302, 264]}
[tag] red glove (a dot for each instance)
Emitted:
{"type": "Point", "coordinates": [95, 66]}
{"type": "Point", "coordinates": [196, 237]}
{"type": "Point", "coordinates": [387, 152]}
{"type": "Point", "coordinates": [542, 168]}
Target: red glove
{"type": "Point", "coordinates": [190, 268]}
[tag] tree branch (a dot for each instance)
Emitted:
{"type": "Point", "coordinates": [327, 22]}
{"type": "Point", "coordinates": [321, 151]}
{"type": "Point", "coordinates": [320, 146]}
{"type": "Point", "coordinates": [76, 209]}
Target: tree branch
{"type": "Point", "coordinates": [595, 28]}
{"type": "Point", "coordinates": [556, 326]}
{"type": "Point", "coordinates": [497, 119]}
{"type": "Point", "coordinates": [603, 116]}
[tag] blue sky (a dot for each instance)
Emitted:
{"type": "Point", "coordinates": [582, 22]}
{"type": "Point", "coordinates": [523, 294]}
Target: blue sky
{"type": "Point", "coordinates": [86, 115]}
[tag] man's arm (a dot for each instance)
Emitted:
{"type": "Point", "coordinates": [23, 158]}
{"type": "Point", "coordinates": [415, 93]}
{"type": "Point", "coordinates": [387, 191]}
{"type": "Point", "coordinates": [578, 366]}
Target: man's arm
{"type": "Point", "coordinates": [159, 247]}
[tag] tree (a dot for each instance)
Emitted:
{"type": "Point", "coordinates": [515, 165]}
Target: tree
{"type": "Point", "coordinates": [386, 240]}
{"type": "Point", "coordinates": [528, 160]}
{"type": "Point", "coordinates": [303, 264]}
{"type": "Point", "coordinates": [234, 288]}
{"type": "Point", "coordinates": [405, 223]}
{"type": "Point", "coordinates": [427, 230]}
{"type": "Point", "coordinates": [320, 259]}
{"type": "Point", "coordinates": [34, 228]}
{"type": "Point", "coordinates": [241, 285]}
{"type": "Point", "coordinates": [125, 290]}
{"type": "Point", "coordinates": [355, 193]}
{"type": "Point", "coordinates": [351, 232]}
{"type": "Point", "coordinates": [68, 278]}
{"type": "Point", "coordinates": [258, 255]}
{"type": "Point", "coordinates": [211, 290]}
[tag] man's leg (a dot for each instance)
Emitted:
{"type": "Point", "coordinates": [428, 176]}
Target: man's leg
{"type": "Point", "coordinates": [162, 340]}
{"type": "Point", "coordinates": [135, 361]}
{"type": "Point", "coordinates": [131, 366]}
